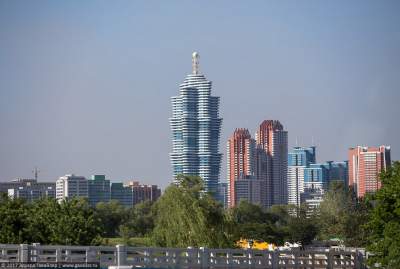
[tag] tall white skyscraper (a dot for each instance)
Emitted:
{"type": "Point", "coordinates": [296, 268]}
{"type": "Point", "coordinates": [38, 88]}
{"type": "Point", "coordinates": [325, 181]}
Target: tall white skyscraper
{"type": "Point", "coordinates": [196, 126]}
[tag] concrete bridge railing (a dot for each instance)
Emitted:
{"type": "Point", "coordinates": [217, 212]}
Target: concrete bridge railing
{"type": "Point", "coordinates": [193, 258]}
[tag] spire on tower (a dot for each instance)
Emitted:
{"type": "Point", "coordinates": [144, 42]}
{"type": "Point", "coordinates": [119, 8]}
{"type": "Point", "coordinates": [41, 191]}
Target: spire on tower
{"type": "Point", "coordinates": [195, 63]}
{"type": "Point", "coordinates": [36, 173]}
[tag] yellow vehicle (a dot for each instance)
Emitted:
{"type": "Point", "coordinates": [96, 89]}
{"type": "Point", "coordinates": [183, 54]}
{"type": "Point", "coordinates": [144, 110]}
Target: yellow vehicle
{"type": "Point", "coordinates": [254, 244]}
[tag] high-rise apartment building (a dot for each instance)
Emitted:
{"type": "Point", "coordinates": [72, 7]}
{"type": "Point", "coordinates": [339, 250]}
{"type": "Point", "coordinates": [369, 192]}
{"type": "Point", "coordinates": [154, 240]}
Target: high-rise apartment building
{"type": "Point", "coordinates": [308, 180]}
{"type": "Point", "coordinates": [240, 162]}
{"type": "Point", "coordinates": [298, 159]}
{"type": "Point", "coordinates": [70, 186]}
{"type": "Point", "coordinates": [196, 126]}
{"type": "Point", "coordinates": [273, 140]}
{"type": "Point", "coordinates": [317, 179]}
{"type": "Point", "coordinates": [98, 189]}
{"type": "Point", "coordinates": [365, 164]}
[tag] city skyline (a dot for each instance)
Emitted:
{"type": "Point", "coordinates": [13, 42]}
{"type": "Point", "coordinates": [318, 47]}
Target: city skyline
{"type": "Point", "coordinates": [85, 88]}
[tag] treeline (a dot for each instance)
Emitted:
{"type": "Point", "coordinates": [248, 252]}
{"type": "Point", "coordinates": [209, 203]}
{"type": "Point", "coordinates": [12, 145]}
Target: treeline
{"type": "Point", "coordinates": [187, 216]}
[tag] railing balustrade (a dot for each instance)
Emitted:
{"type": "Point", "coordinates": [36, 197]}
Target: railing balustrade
{"type": "Point", "coordinates": [193, 258]}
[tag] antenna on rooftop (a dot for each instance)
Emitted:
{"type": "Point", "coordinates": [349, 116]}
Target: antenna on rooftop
{"type": "Point", "coordinates": [195, 63]}
{"type": "Point", "coordinates": [36, 173]}
{"type": "Point", "coordinates": [312, 141]}
{"type": "Point", "coordinates": [297, 143]}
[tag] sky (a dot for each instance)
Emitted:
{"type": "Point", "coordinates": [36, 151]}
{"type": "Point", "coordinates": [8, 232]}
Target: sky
{"type": "Point", "coordinates": [85, 86]}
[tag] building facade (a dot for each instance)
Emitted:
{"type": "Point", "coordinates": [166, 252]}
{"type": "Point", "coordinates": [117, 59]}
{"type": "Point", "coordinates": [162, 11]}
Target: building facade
{"type": "Point", "coordinates": [122, 194]}
{"type": "Point", "coordinates": [298, 159]}
{"type": "Point", "coordinates": [240, 162]}
{"type": "Point", "coordinates": [70, 186]}
{"type": "Point", "coordinates": [223, 193]}
{"type": "Point", "coordinates": [272, 139]}
{"type": "Point", "coordinates": [28, 189]}
{"type": "Point", "coordinates": [196, 126]}
{"type": "Point", "coordinates": [133, 193]}
{"type": "Point", "coordinates": [32, 193]}
{"type": "Point", "coordinates": [99, 189]}
{"type": "Point", "coordinates": [308, 180]}
{"type": "Point", "coordinates": [365, 164]}
{"type": "Point", "coordinates": [141, 192]}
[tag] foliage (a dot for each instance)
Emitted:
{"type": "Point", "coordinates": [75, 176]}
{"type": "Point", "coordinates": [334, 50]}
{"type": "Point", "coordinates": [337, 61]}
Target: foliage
{"type": "Point", "coordinates": [301, 228]}
{"type": "Point", "coordinates": [13, 219]}
{"type": "Point", "coordinates": [111, 215]}
{"type": "Point", "coordinates": [132, 241]}
{"type": "Point", "coordinates": [275, 225]}
{"type": "Point", "coordinates": [332, 212]}
{"type": "Point", "coordinates": [48, 222]}
{"type": "Point", "coordinates": [140, 221]}
{"type": "Point", "coordinates": [384, 222]}
{"type": "Point", "coordinates": [341, 216]}
{"type": "Point", "coordinates": [186, 216]}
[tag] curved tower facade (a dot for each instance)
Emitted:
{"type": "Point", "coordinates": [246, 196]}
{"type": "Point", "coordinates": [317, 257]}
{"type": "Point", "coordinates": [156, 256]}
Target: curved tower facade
{"type": "Point", "coordinates": [196, 126]}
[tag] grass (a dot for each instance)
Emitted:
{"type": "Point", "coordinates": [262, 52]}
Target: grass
{"type": "Point", "coordinates": [133, 241]}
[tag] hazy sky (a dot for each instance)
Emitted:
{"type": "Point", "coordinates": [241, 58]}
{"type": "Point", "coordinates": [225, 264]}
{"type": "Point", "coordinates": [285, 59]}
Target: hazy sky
{"type": "Point", "coordinates": [85, 86]}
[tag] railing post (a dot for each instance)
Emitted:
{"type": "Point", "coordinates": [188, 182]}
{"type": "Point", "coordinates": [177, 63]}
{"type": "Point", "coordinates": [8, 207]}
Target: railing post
{"type": "Point", "coordinates": [35, 252]}
{"type": "Point", "coordinates": [23, 253]}
{"type": "Point", "coordinates": [59, 254]}
{"type": "Point", "coordinates": [250, 256]}
{"type": "Point", "coordinates": [121, 255]}
{"type": "Point", "coordinates": [330, 259]}
{"type": "Point", "coordinates": [229, 258]}
{"type": "Point", "coordinates": [205, 258]}
{"type": "Point", "coordinates": [91, 255]}
{"type": "Point", "coordinates": [275, 259]}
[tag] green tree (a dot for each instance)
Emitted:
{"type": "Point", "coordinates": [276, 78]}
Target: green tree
{"type": "Point", "coordinates": [76, 224]}
{"type": "Point", "coordinates": [301, 228]}
{"type": "Point", "coordinates": [48, 222]}
{"type": "Point", "coordinates": [186, 216]}
{"type": "Point", "coordinates": [43, 216]}
{"type": "Point", "coordinates": [139, 223]}
{"type": "Point", "coordinates": [341, 215]}
{"type": "Point", "coordinates": [13, 220]}
{"type": "Point", "coordinates": [333, 212]}
{"type": "Point", "coordinates": [384, 222]}
{"type": "Point", "coordinates": [275, 225]}
{"type": "Point", "coordinates": [111, 215]}
{"type": "Point", "coordinates": [142, 219]}
{"type": "Point", "coordinates": [253, 222]}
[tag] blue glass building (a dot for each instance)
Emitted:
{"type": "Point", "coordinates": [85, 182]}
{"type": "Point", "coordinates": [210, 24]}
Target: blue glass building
{"type": "Point", "coordinates": [316, 176]}
{"type": "Point", "coordinates": [196, 126]}
{"type": "Point", "coordinates": [298, 159]}
{"type": "Point", "coordinates": [308, 180]}
{"type": "Point", "coordinates": [301, 156]}
{"type": "Point", "coordinates": [98, 189]}
{"type": "Point", "coordinates": [322, 174]}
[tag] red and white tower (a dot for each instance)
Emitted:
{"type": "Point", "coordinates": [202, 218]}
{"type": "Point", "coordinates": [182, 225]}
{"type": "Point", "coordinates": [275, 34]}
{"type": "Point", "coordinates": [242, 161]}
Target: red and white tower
{"type": "Point", "coordinates": [240, 158]}
{"type": "Point", "coordinates": [365, 164]}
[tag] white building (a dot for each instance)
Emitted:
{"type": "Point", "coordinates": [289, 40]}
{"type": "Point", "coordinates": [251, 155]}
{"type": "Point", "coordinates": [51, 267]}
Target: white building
{"type": "Point", "coordinates": [70, 186]}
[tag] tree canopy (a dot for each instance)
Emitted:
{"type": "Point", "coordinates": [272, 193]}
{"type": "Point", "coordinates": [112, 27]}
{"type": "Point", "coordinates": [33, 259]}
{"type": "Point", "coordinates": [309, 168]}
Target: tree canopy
{"type": "Point", "coordinates": [384, 223]}
{"type": "Point", "coordinates": [187, 216]}
{"type": "Point", "coordinates": [46, 221]}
